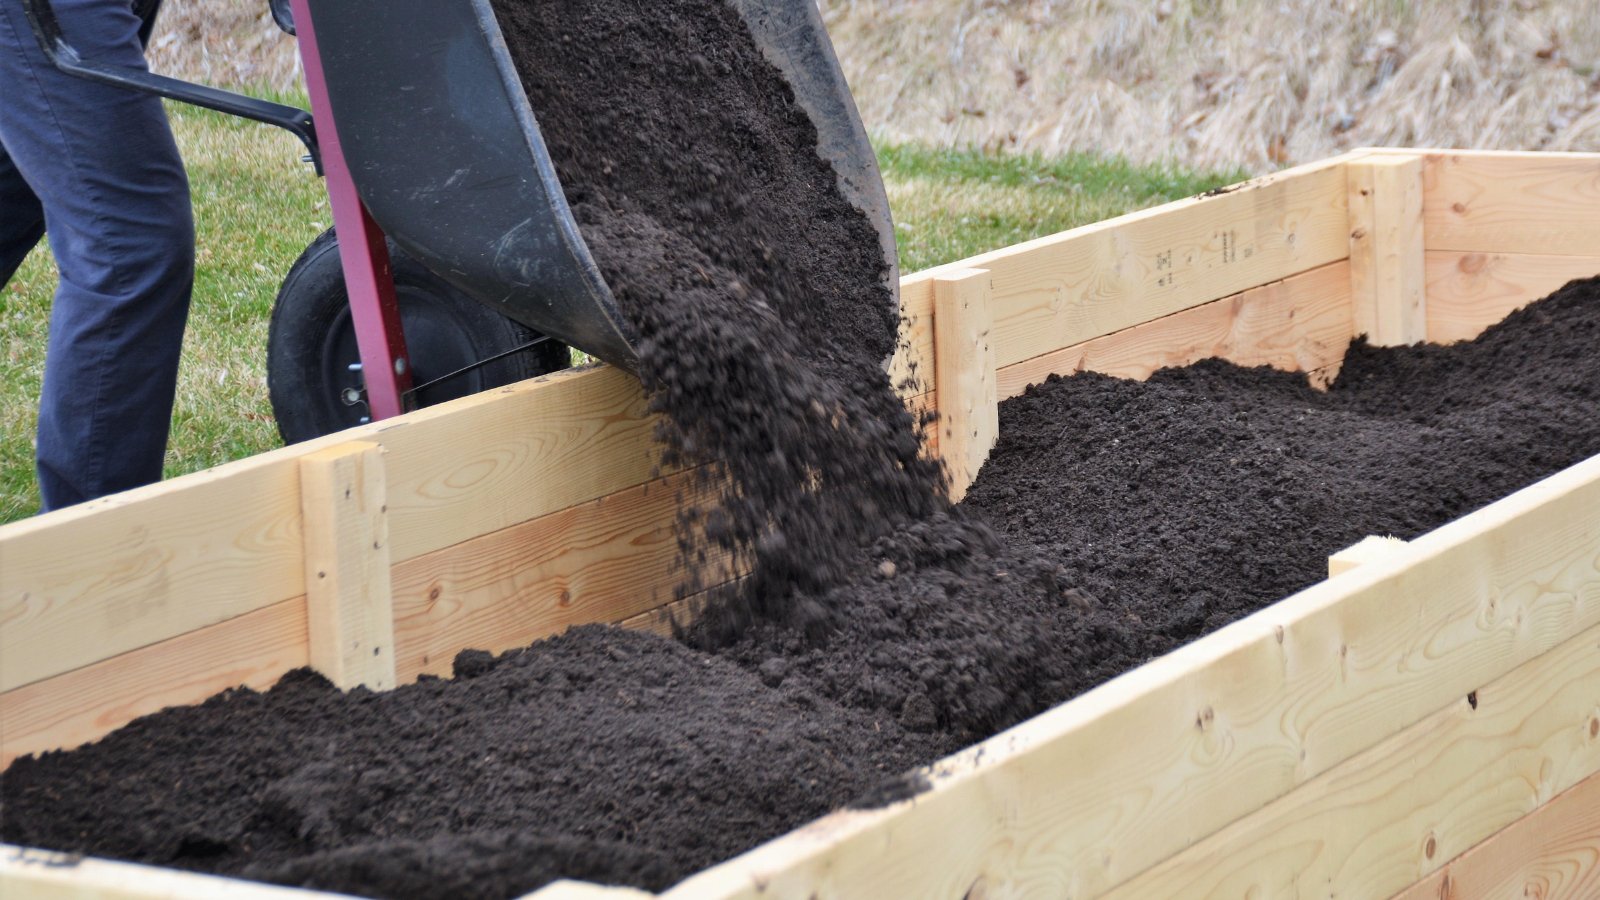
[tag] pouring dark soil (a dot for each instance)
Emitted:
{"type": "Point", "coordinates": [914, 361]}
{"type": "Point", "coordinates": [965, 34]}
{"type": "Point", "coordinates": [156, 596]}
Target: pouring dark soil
{"type": "Point", "coordinates": [883, 628]}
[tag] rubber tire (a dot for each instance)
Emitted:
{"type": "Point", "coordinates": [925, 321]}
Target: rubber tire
{"type": "Point", "coordinates": [311, 342]}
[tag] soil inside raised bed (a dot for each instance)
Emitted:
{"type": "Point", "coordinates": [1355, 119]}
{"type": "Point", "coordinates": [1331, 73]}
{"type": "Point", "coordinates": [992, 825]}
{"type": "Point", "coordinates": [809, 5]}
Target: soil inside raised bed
{"type": "Point", "coordinates": [882, 628]}
{"type": "Point", "coordinates": [1170, 507]}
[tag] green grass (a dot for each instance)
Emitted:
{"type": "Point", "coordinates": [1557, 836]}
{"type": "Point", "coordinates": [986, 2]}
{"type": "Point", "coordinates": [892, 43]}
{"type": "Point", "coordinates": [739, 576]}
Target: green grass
{"type": "Point", "coordinates": [256, 207]}
{"type": "Point", "coordinates": [951, 204]}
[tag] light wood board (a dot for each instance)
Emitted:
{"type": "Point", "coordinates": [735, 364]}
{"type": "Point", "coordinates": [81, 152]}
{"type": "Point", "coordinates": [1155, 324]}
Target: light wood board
{"type": "Point", "coordinates": [1553, 853]}
{"type": "Point", "coordinates": [1386, 249]}
{"type": "Point", "coordinates": [969, 424]}
{"type": "Point", "coordinates": [1469, 291]}
{"type": "Point", "coordinates": [1221, 727]}
{"type": "Point", "coordinates": [201, 549]}
{"type": "Point", "coordinates": [86, 704]}
{"type": "Point", "coordinates": [1300, 323]}
{"type": "Point", "coordinates": [1512, 203]}
{"type": "Point", "coordinates": [1377, 822]}
{"type": "Point", "coordinates": [348, 605]}
{"type": "Point", "coordinates": [1091, 281]}
{"type": "Point", "coordinates": [600, 561]}
{"type": "Point", "coordinates": [91, 582]}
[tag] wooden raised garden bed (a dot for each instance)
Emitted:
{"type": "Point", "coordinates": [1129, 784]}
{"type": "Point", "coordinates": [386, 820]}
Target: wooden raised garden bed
{"type": "Point", "coordinates": [1425, 723]}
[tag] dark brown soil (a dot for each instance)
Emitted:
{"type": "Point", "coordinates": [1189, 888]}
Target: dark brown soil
{"type": "Point", "coordinates": [1187, 501]}
{"type": "Point", "coordinates": [1166, 508]}
{"type": "Point", "coordinates": [601, 754]}
{"type": "Point", "coordinates": [755, 287]}
{"type": "Point", "coordinates": [883, 629]}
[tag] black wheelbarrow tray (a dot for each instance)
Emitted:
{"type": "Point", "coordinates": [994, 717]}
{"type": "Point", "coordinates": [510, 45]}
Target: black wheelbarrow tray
{"type": "Point", "coordinates": [447, 154]}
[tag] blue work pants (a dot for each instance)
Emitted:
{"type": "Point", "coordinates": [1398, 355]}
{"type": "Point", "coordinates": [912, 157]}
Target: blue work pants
{"type": "Point", "coordinates": [96, 168]}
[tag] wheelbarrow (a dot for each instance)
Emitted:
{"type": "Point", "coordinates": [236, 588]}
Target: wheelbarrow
{"type": "Point", "coordinates": [454, 263]}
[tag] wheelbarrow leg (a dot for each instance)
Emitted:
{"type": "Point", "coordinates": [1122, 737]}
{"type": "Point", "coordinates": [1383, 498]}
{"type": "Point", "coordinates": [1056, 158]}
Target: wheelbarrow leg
{"type": "Point", "coordinates": [362, 250]}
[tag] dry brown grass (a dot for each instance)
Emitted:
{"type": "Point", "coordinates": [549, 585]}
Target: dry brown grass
{"type": "Point", "coordinates": [1225, 82]}
{"type": "Point", "coordinates": [1207, 82]}
{"type": "Point", "coordinates": [228, 43]}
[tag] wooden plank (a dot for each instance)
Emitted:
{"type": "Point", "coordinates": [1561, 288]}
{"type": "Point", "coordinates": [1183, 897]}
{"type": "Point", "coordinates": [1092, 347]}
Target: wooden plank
{"type": "Point", "coordinates": [86, 704]}
{"type": "Point", "coordinates": [27, 874]}
{"type": "Point", "coordinates": [964, 375]}
{"type": "Point", "coordinates": [1370, 549]}
{"type": "Point", "coordinates": [198, 550]}
{"type": "Point", "coordinates": [600, 561]}
{"type": "Point", "coordinates": [1091, 281]}
{"type": "Point", "coordinates": [348, 602]}
{"type": "Point", "coordinates": [1376, 823]}
{"type": "Point", "coordinates": [1387, 284]}
{"type": "Point", "coordinates": [93, 581]}
{"type": "Point", "coordinates": [1218, 728]}
{"type": "Point", "coordinates": [1469, 291]}
{"type": "Point", "coordinates": [1513, 203]}
{"type": "Point", "coordinates": [1553, 853]}
{"type": "Point", "coordinates": [204, 548]}
{"type": "Point", "coordinates": [1301, 323]}
{"type": "Point", "coordinates": [493, 460]}
{"type": "Point", "coordinates": [581, 890]}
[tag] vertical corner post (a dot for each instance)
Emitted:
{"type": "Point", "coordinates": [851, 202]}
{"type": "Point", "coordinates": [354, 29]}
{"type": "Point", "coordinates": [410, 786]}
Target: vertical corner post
{"type": "Point", "coordinates": [1388, 281]}
{"type": "Point", "coordinates": [964, 374]}
{"type": "Point", "coordinates": [349, 603]}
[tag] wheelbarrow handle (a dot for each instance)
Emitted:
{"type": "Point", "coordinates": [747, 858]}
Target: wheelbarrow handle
{"type": "Point", "coordinates": [47, 30]}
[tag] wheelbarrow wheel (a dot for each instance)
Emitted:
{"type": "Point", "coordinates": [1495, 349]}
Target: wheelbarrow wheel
{"type": "Point", "coordinates": [313, 364]}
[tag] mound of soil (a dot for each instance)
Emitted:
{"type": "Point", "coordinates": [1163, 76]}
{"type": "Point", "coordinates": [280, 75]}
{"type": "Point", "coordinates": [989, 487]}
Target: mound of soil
{"type": "Point", "coordinates": [881, 628]}
{"type": "Point", "coordinates": [1189, 500]}
{"type": "Point", "coordinates": [600, 754]}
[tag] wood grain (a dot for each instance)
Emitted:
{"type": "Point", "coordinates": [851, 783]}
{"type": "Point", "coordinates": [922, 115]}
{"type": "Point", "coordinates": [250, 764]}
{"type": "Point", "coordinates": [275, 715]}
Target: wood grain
{"type": "Point", "coordinates": [1219, 728]}
{"type": "Point", "coordinates": [600, 561]}
{"type": "Point", "coordinates": [1377, 822]}
{"type": "Point", "coordinates": [1553, 853]}
{"type": "Point", "coordinates": [1299, 324]}
{"type": "Point", "coordinates": [1469, 291]}
{"type": "Point", "coordinates": [88, 583]}
{"type": "Point", "coordinates": [969, 422]}
{"type": "Point", "coordinates": [1504, 203]}
{"type": "Point", "coordinates": [348, 603]}
{"type": "Point", "coordinates": [85, 704]}
{"type": "Point", "coordinates": [1387, 284]}
{"type": "Point", "coordinates": [1091, 281]}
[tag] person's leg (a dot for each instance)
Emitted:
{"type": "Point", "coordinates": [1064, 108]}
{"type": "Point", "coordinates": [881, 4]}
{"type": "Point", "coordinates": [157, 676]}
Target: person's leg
{"type": "Point", "coordinates": [21, 218]}
{"type": "Point", "coordinates": [103, 163]}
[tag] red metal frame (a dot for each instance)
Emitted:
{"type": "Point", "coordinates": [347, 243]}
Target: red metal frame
{"type": "Point", "coordinates": [368, 277]}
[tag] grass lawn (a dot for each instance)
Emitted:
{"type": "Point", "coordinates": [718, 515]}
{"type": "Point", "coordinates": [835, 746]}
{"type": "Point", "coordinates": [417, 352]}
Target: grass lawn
{"type": "Point", "coordinates": [256, 207]}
